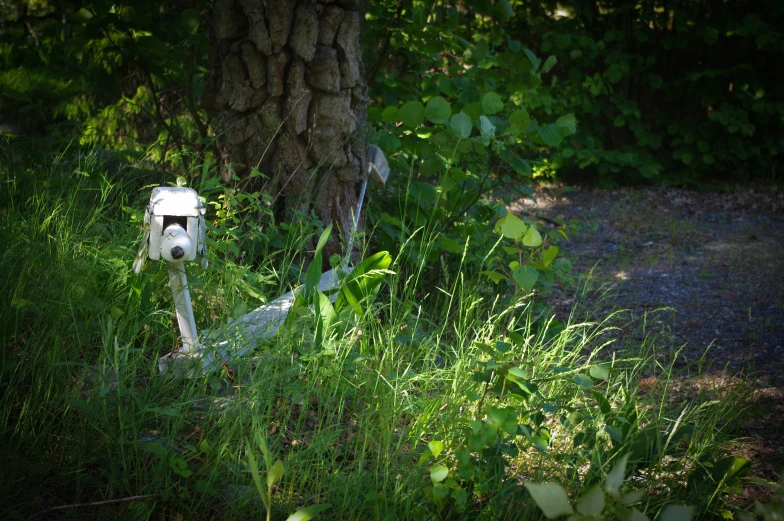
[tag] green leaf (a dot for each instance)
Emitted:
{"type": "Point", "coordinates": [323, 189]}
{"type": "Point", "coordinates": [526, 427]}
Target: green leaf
{"type": "Point", "coordinates": [638, 516]}
{"type": "Point", "coordinates": [189, 20]}
{"type": "Point", "coordinates": [551, 134]}
{"type": "Point", "coordinates": [493, 276]}
{"type": "Point", "coordinates": [389, 115]}
{"type": "Point", "coordinates": [449, 245]}
{"type": "Point", "coordinates": [551, 498]}
{"type": "Point", "coordinates": [412, 114]}
{"type": "Point", "coordinates": [549, 63]}
{"type": "Point", "coordinates": [533, 59]}
{"type": "Point", "coordinates": [519, 117]}
{"type": "Point", "coordinates": [604, 404]}
{"type": "Point", "coordinates": [526, 277]}
{"type": "Point", "coordinates": [275, 473]}
{"type": "Point", "coordinates": [420, 191]}
{"type": "Point", "coordinates": [457, 175]}
{"type": "Point", "coordinates": [307, 513]}
{"type": "Point", "coordinates": [430, 166]}
{"type": "Point", "coordinates": [254, 472]}
{"type": "Point", "coordinates": [614, 73]}
{"type": "Point", "coordinates": [447, 86]}
{"type": "Point", "coordinates": [163, 411]}
{"type": "Point", "coordinates": [676, 513]}
{"type": "Point", "coordinates": [440, 491]}
{"type": "Point", "coordinates": [486, 129]}
{"type": "Point", "coordinates": [512, 227]}
{"type": "Point", "coordinates": [388, 142]}
{"type": "Point", "coordinates": [491, 103]}
{"type": "Point", "coordinates": [504, 10]}
{"type": "Point", "coordinates": [549, 255]}
{"type": "Point", "coordinates": [438, 110]}
{"type": "Point", "coordinates": [312, 277]}
{"type": "Point", "coordinates": [615, 477]}
{"type": "Point", "coordinates": [325, 317]}
{"type": "Point", "coordinates": [438, 473]}
{"type": "Point", "coordinates": [324, 238]}
{"type": "Point", "coordinates": [461, 125]}
{"type": "Point", "coordinates": [82, 15]}
{"type": "Point", "coordinates": [473, 110]}
{"type": "Point", "coordinates": [446, 183]}
{"type": "Point", "coordinates": [519, 373]}
{"type": "Point", "coordinates": [532, 239]}
{"type": "Point", "coordinates": [711, 35]}
{"type": "Point", "coordinates": [592, 503]}
{"type": "Point", "coordinates": [436, 447]}
{"type": "Point", "coordinates": [600, 371]}
{"type": "Point", "coordinates": [521, 166]}
{"type": "Point", "coordinates": [614, 432]}
{"type": "Point", "coordinates": [362, 282]}
{"type": "Point", "coordinates": [584, 381]}
{"type": "Point", "coordinates": [568, 124]}
{"type": "Point", "coordinates": [204, 447]}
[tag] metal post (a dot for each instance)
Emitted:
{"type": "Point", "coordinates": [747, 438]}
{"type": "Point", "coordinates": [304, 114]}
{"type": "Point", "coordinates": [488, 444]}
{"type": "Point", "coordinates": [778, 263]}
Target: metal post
{"type": "Point", "coordinates": [182, 303]}
{"type": "Point", "coordinates": [356, 224]}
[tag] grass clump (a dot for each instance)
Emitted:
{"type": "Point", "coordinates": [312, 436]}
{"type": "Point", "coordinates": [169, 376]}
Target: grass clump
{"type": "Point", "coordinates": [425, 402]}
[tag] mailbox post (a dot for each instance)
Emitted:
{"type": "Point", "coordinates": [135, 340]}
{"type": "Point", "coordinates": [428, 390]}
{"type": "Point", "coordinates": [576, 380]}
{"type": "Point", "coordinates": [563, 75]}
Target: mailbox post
{"type": "Point", "coordinates": [174, 231]}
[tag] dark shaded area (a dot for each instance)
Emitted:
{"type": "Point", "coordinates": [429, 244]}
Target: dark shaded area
{"type": "Point", "coordinates": [708, 270]}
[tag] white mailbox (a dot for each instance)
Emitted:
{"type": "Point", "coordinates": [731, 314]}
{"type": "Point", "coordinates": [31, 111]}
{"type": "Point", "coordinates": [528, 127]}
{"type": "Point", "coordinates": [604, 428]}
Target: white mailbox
{"type": "Point", "coordinates": [174, 231]}
{"type": "Point", "coordinates": [174, 227]}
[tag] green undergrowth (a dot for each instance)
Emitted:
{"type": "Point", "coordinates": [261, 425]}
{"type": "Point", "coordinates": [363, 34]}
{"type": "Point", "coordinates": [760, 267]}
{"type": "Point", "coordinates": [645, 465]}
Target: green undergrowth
{"type": "Point", "coordinates": [414, 401]}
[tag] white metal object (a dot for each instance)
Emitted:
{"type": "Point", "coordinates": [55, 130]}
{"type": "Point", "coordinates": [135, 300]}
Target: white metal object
{"type": "Point", "coordinates": [378, 171]}
{"type": "Point", "coordinates": [176, 206]}
{"type": "Point", "coordinates": [243, 335]}
{"type": "Point", "coordinates": [174, 231]}
{"type": "Point", "coordinates": [182, 303]}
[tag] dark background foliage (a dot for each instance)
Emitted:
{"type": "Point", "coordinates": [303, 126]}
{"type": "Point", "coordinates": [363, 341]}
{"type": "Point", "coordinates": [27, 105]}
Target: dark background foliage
{"type": "Point", "coordinates": [680, 91]}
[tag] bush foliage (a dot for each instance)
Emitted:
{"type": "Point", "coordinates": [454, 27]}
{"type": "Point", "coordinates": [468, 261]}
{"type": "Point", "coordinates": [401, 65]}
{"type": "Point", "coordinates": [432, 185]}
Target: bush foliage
{"type": "Point", "coordinates": [680, 91]}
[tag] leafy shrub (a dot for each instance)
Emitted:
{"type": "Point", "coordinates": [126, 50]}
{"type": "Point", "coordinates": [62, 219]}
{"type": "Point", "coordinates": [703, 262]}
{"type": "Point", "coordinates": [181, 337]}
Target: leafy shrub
{"type": "Point", "coordinates": [679, 93]}
{"type": "Point", "coordinates": [456, 129]}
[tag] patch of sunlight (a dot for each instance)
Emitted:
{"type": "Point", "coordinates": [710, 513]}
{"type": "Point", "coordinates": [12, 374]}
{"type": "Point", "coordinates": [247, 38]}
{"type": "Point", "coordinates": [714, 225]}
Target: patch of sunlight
{"type": "Point", "coordinates": [720, 246]}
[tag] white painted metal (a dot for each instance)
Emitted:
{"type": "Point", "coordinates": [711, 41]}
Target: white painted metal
{"type": "Point", "coordinates": [176, 244]}
{"type": "Point", "coordinates": [242, 335]}
{"type": "Point", "coordinates": [174, 231]}
{"type": "Point", "coordinates": [177, 202]}
{"type": "Point", "coordinates": [350, 246]}
{"type": "Point", "coordinates": [182, 204]}
{"type": "Point", "coordinates": [378, 171]}
{"type": "Point", "coordinates": [182, 303]}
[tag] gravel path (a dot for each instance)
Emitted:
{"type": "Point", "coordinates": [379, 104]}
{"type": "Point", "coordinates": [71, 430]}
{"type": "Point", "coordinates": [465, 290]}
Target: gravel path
{"type": "Point", "coordinates": [715, 261]}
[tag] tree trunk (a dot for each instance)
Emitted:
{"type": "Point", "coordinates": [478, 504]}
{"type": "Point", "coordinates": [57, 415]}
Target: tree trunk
{"type": "Point", "coordinates": [288, 97]}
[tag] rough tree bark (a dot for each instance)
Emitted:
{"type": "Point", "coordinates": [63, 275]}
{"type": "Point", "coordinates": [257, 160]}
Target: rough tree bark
{"type": "Point", "coordinates": [288, 96]}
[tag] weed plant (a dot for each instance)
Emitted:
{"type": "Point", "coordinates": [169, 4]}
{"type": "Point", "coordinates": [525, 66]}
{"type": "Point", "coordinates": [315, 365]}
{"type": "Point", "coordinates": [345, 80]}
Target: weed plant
{"type": "Point", "coordinates": [431, 402]}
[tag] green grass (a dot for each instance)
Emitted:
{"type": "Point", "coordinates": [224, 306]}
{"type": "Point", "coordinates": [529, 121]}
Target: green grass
{"type": "Point", "coordinates": [86, 417]}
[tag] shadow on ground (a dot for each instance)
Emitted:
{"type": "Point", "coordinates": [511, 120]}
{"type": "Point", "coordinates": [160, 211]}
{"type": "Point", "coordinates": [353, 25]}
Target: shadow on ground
{"type": "Point", "coordinates": [707, 268]}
